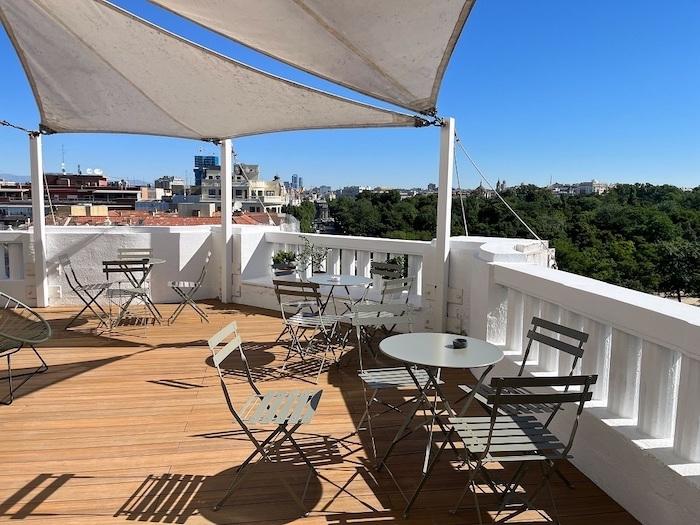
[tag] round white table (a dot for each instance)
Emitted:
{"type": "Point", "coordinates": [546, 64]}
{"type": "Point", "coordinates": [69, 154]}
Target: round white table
{"type": "Point", "coordinates": [432, 352]}
{"type": "Point", "coordinates": [346, 281]}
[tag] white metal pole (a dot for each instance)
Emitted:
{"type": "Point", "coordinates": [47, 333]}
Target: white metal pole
{"type": "Point", "coordinates": [226, 221]}
{"type": "Point", "coordinates": [36, 163]}
{"type": "Point", "coordinates": [444, 220]}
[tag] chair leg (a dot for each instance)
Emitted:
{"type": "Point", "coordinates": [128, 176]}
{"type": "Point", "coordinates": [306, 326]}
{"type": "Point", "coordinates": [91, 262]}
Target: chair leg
{"type": "Point", "coordinates": [238, 476]}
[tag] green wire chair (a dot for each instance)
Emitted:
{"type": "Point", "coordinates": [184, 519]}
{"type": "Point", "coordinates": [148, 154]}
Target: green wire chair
{"type": "Point", "coordinates": [20, 327]}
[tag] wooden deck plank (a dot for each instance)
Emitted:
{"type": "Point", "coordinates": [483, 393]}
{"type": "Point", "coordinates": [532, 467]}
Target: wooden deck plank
{"type": "Point", "coordinates": [132, 426]}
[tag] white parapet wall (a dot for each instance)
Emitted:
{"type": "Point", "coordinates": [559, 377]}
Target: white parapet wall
{"type": "Point", "coordinates": [639, 439]}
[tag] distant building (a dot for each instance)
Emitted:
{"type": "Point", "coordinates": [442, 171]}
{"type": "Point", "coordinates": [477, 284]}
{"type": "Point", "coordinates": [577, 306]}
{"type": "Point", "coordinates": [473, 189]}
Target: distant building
{"type": "Point", "coordinates": [295, 181]}
{"type": "Point", "coordinates": [249, 192]}
{"type": "Point", "coordinates": [592, 187]}
{"type": "Point", "coordinates": [173, 185]}
{"type": "Point", "coordinates": [201, 164]}
{"type": "Point", "coordinates": [432, 187]}
{"type": "Point", "coordinates": [301, 183]}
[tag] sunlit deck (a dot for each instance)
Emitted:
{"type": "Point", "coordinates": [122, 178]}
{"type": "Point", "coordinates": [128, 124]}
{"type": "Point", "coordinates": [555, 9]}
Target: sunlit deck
{"type": "Point", "coordinates": [132, 426]}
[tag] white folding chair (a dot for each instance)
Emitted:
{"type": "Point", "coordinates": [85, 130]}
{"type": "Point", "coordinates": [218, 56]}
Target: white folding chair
{"type": "Point", "coordinates": [368, 316]}
{"type": "Point", "coordinates": [187, 291]}
{"type": "Point", "coordinates": [310, 330]}
{"type": "Point", "coordinates": [88, 293]}
{"type": "Point", "coordinates": [286, 410]}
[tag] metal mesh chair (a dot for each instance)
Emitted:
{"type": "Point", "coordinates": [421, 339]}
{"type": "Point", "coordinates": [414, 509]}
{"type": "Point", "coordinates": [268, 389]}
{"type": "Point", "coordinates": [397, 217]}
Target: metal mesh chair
{"type": "Point", "coordinates": [187, 291]}
{"type": "Point", "coordinates": [386, 270]}
{"type": "Point", "coordinates": [310, 330]}
{"type": "Point", "coordinates": [287, 410]}
{"type": "Point", "coordinates": [20, 327]}
{"type": "Point", "coordinates": [88, 293]}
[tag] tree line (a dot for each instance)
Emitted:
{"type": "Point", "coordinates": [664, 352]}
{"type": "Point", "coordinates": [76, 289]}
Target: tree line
{"type": "Point", "coordinates": [640, 236]}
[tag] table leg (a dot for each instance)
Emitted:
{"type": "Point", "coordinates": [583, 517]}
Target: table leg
{"type": "Point", "coordinates": [448, 438]}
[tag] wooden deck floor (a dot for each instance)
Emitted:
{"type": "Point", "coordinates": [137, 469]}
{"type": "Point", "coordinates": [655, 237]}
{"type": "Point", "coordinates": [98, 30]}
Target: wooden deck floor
{"type": "Point", "coordinates": [132, 426]}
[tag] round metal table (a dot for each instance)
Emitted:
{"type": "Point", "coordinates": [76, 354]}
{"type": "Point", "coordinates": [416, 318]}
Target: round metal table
{"type": "Point", "coordinates": [432, 352]}
{"type": "Point", "coordinates": [346, 281]}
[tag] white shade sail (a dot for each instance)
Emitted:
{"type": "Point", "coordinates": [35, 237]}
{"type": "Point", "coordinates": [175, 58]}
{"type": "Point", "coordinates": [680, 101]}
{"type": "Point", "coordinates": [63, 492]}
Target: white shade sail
{"type": "Point", "coordinates": [393, 50]}
{"type": "Point", "coordinates": [94, 67]}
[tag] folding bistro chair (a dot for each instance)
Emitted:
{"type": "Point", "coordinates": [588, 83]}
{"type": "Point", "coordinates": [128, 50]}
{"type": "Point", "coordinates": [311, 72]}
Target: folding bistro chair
{"type": "Point", "coordinates": [187, 290]}
{"type": "Point", "coordinates": [20, 327]}
{"type": "Point", "coordinates": [366, 316]}
{"type": "Point", "coordinates": [386, 270]}
{"type": "Point", "coordinates": [295, 305]}
{"type": "Point", "coordinates": [574, 348]}
{"type": "Point", "coordinates": [138, 292]}
{"type": "Point", "coordinates": [87, 293]}
{"type": "Point", "coordinates": [521, 439]}
{"type": "Point", "coordinates": [286, 409]}
{"type": "Point", "coordinates": [310, 330]}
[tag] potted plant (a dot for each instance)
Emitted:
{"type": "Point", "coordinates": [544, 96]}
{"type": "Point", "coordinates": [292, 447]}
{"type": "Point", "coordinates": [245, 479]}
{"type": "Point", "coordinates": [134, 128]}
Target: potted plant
{"type": "Point", "coordinates": [312, 255]}
{"type": "Point", "coordinates": [284, 263]}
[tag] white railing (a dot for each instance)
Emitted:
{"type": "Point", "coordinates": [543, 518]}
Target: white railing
{"type": "Point", "coordinates": [645, 349]}
{"type": "Point", "coordinates": [11, 261]}
{"type": "Point", "coordinates": [353, 255]}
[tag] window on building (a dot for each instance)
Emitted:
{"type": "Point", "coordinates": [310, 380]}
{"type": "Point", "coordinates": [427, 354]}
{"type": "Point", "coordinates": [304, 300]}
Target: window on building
{"type": "Point", "coordinates": [239, 193]}
{"type": "Point", "coordinates": [270, 193]}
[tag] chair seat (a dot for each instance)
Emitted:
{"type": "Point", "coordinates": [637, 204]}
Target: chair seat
{"type": "Point", "coordinates": [515, 438]}
{"type": "Point", "coordinates": [278, 407]}
{"type": "Point", "coordinates": [312, 320]}
{"type": "Point", "coordinates": [395, 377]}
{"type": "Point", "coordinates": [485, 390]}
{"type": "Point", "coordinates": [95, 287]}
{"type": "Point", "coordinates": [182, 284]}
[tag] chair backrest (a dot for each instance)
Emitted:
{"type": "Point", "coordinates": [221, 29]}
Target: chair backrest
{"type": "Point", "coordinates": [397, 290]}
{"type": "Point", "coordinates": [222, 344]}
{"type": "Point", "coordinates": [68, 270]}
{"type": "Point", "coordinates": [507, 394]}
{"type": "Point", "coordinates": [134, 253]}
{"type": "Point", "coordinates": [291, 292]}
{"type": "Point", "coordinates": [204, 269]}
{"type": "Point", "coordinates": [386, 270]}
{"type": "Point", "coordinates": [369, 314]}
{"type": "Point", "coordinates": [570, 341]}
{"type": "Point", "coordinates": [379, 315]}
{"type": "Point", "coordinates": [19, 324]}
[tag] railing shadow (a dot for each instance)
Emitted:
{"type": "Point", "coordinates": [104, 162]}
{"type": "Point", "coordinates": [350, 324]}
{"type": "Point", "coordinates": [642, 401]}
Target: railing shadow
{"type": "Point", "coordinates": [33, 494]}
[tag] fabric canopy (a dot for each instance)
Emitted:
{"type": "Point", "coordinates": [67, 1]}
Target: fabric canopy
{"type": "Point", "coordinates": [393, 50]}
{"type": "Point", "coordinates": [94, 67]}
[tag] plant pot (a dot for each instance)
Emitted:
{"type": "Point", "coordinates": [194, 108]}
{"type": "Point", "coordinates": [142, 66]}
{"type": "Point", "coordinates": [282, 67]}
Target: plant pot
{"type": "Point", "coordinates": [284, 268]}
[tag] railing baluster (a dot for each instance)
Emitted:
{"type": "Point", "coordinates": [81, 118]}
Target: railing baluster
{"type": "Point", "coordinates": [596, 357]}
{"type": "Point", "coordinates": [548, 358]}
{"type": "Point", "coordinates": [623, 393]}
{"type": "Point", "coordinates": [333, 261]}
{"type": "Point", "coordinates": [363, 263]}
{"type": "Point", "coordinates": [347, 261]}
{"type": "Point", "coordinates": [686, 440]}
{"type": "Point", "coordinates": [531, 309]}
{"type": "Point", "coordinates": [415, 270]}
{"type": "Point", "coordinates": [514, 321]}
{"type": "Point", "coordinates": [658, 388]}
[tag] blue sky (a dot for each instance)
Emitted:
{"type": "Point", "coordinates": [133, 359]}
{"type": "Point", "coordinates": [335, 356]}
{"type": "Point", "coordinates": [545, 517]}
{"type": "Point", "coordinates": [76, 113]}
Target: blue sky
{"type": "Point", "coordinates": [567, 90]}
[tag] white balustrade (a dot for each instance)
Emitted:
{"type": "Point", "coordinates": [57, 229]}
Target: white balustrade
{"type": "Point", "coordinates": [643, 348]}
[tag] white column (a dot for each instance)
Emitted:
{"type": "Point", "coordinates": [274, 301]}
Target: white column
{"type": "Point", "coordinates": [226, 221]}
{"type": "Point", "coordinates": [38, 219]}
{"type": "Point", "coordinates": [444, 220]}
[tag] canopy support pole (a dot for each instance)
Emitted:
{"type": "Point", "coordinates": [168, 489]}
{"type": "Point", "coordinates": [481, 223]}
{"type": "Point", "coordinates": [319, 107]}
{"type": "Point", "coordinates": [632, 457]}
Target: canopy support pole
{"type": "Point", "coordinates": [444, 221]}
{"type": "Point", "coordinates": [226, 221]}
{"type": "Point", "coordinates": [36, 163]}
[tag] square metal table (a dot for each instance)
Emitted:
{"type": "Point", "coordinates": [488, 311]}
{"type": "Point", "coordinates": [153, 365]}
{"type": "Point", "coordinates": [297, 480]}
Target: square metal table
{"type": "Point", "coordinates": [131, 268]}
{"type": "Point", "coordinates": [433, 352]}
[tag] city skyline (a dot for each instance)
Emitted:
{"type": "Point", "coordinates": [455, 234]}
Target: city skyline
{"type": "Point", "coordinates": [534, 95]}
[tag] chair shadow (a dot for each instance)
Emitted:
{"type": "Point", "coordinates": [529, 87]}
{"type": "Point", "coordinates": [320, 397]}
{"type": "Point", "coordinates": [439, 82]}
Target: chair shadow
{"type": "Point", "coordinates": [269, 493]}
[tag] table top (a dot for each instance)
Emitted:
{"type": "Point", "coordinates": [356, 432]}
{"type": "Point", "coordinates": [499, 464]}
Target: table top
{"type": "Point", "coordinates": [146, 260]}
{"type": "Point", "coordinates": [436, 350]}
{"type": "Point", "coordinates": [340, 280]}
